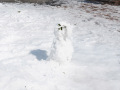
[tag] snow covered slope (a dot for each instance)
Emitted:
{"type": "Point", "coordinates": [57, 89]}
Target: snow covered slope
{"type": "Point", "coordinates": [26, 36]}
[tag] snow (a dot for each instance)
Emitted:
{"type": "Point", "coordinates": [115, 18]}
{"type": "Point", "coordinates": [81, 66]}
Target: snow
{"type": "Point", "coordinates": [26, 36]}
{"type": "Point", "coordinates": [62, 47]}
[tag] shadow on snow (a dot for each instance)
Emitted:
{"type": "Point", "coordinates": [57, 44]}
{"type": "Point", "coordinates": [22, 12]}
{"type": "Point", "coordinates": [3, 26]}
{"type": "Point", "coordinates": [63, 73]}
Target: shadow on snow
{"type": "Point", "coordinates": [40, 54]}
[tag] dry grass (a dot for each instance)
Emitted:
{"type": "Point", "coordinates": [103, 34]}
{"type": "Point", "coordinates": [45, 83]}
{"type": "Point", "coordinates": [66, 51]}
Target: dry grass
{"type": "Point", "coordinates": [104, 11]}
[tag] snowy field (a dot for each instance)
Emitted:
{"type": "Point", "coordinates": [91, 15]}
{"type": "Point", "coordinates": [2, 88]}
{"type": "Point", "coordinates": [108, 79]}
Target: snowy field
{"type": "Point", "coordinates": [26, 36]}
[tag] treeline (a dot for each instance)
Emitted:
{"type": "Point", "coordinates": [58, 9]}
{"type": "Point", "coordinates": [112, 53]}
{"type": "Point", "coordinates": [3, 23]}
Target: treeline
{"type": "Point", "coordinates": [113, 2]}
{"type": "Point", "coordinates": [29, 1]}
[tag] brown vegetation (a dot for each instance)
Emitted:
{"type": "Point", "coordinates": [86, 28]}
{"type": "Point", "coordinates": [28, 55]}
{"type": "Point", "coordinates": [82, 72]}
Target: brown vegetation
{"type": "Point", "coordinates": [104, 11]}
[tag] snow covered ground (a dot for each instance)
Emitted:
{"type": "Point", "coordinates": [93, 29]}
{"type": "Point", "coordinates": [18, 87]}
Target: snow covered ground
{"type": "Point", "coordinates": [26, 36]}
